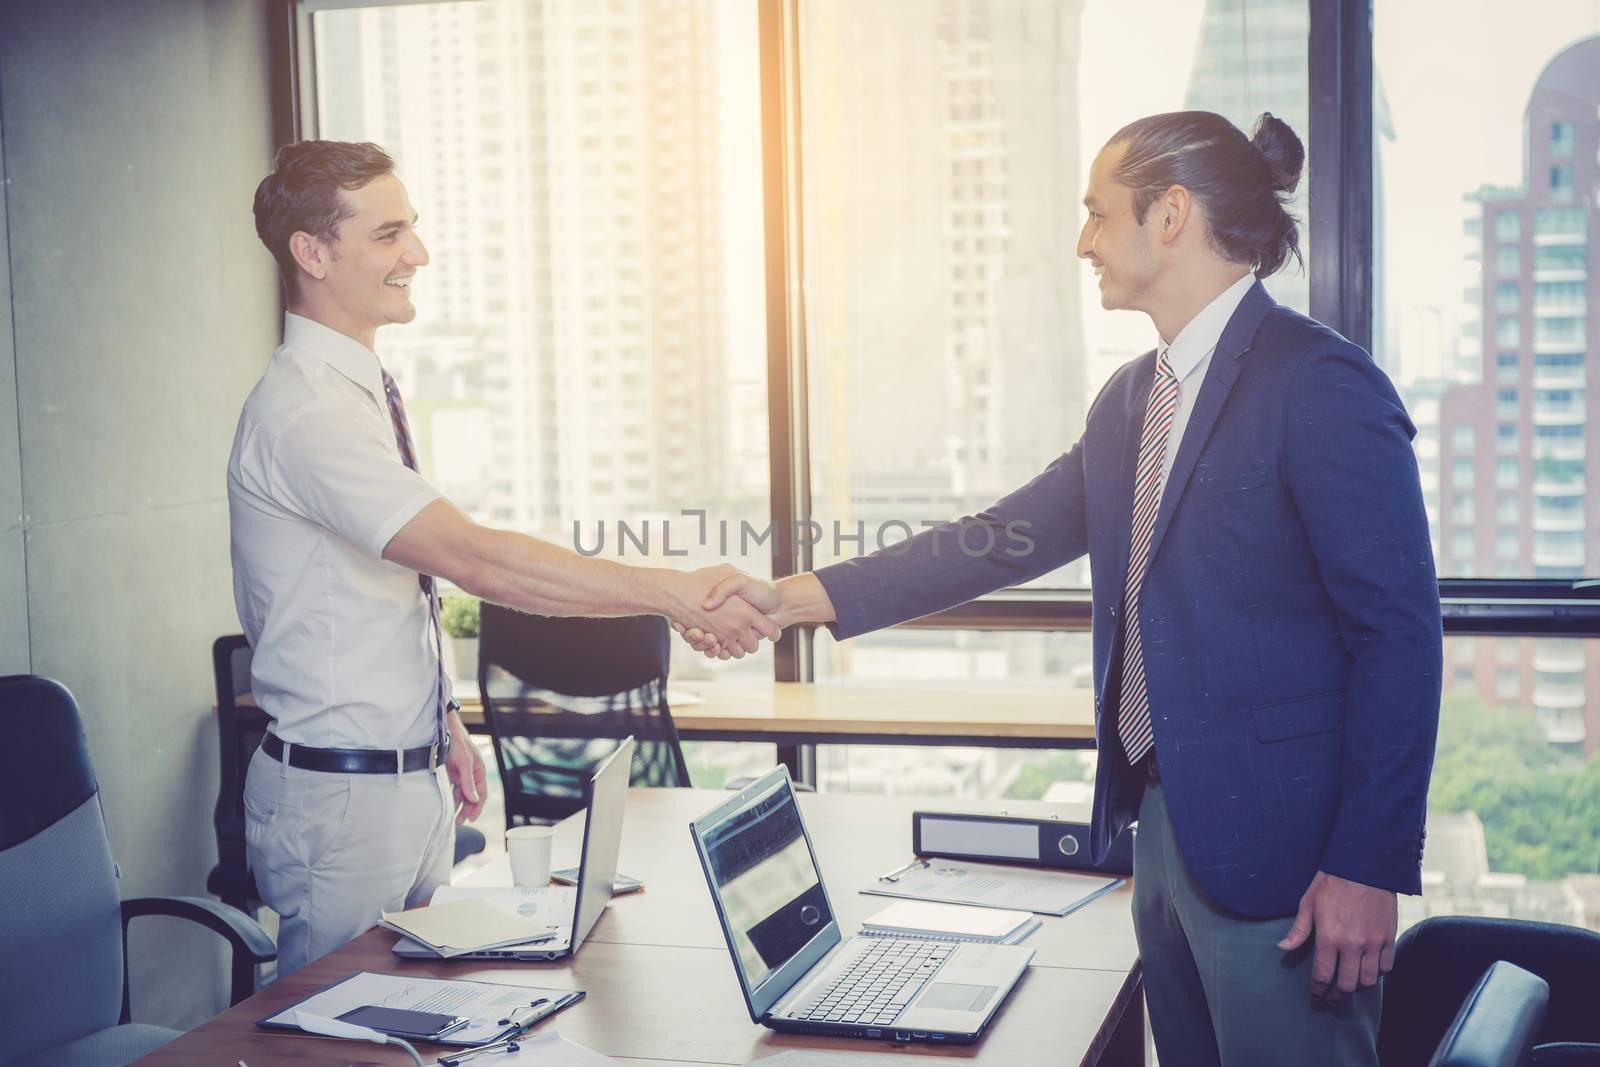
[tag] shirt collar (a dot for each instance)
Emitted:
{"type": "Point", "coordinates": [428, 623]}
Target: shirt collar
{"type": "Point", "coordinates": [1196, 340]}
{"type": "Point", "coordinates": [344, 354]}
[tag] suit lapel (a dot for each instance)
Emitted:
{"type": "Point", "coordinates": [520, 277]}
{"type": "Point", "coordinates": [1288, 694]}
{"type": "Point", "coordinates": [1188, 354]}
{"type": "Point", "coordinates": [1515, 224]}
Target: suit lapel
{"type": "Point", "coordinates": [1220, 376]}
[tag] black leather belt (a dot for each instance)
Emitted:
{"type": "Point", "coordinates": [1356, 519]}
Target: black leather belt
{"type": "Point", "coordinates": [353, 760]}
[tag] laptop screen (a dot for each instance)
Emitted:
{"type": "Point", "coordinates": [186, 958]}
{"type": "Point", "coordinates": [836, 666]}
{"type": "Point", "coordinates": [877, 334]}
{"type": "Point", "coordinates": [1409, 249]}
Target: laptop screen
{"type": "Point", "coordinates": [762, 871]}
{"type": "Point", "coordinates": [602, 838]}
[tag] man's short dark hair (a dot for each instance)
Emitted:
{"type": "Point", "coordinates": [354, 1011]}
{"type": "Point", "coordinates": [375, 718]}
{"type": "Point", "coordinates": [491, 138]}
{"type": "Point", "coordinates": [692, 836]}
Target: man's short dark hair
{"type": "Point", "coordinates": [302, 193]}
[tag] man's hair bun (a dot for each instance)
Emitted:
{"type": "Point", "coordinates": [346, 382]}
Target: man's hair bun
{"type": "Point", "coordinates": [1285, 156]}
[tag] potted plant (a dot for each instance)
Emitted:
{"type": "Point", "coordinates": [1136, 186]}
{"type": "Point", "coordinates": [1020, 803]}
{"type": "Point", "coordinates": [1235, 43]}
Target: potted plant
{"type": "Point", "coordinates": [458, 615]}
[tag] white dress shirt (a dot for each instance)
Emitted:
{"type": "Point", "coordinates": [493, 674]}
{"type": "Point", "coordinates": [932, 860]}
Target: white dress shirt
{"type": "Point", "coordinates": [342, 639]}
{"type": "Point", "coordinates": [1190, 356]}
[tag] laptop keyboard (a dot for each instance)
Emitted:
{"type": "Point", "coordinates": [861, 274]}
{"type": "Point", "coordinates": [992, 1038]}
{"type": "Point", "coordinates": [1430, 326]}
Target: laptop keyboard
{"type": "Point", "coordinates": [877, 986]}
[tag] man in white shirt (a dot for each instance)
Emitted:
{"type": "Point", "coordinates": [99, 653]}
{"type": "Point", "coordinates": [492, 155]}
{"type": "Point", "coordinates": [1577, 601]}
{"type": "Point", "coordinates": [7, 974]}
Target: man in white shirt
{"type": "Point", "coordinates": [336, 538]}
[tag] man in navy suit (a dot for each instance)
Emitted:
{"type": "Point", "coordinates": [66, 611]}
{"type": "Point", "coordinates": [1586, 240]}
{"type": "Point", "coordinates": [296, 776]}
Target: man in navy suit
{"type": "Point", "coordinates": [1267, 639]}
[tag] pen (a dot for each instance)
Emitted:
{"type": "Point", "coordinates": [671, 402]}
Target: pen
{"type": "Point", "coordinates": [505, 1044]}
{"type": "Point", "coordinates": [512, 1018]}
{"type": "Point", "coordinates": [900, 872]}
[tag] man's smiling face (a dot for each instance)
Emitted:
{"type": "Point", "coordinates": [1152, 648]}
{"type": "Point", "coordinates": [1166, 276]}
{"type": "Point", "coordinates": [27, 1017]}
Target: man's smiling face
{"type": "Point", "coordinates": [1114, 240]}
{"type": "Point", "coordinates": [371, 265]}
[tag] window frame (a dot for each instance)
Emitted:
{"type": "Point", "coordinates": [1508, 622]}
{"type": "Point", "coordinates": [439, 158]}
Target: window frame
{"type": "Point", "coordinates": [1340, 266]}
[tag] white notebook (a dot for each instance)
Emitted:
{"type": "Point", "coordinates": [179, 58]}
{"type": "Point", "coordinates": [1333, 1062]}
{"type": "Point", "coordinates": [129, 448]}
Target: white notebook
{"type": "Point", "coordinates": [950, 922]}
{"type": "Point", "coordinates": [464, 926]}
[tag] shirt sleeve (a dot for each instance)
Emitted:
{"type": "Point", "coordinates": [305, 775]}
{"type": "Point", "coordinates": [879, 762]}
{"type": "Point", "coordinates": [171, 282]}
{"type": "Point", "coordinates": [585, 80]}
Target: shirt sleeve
{"type": "Point", "coordinates": [346, 478]}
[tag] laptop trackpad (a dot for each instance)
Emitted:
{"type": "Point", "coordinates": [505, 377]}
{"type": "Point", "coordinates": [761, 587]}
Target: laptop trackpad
{"type": "Point", "coordinates": [955, 996]}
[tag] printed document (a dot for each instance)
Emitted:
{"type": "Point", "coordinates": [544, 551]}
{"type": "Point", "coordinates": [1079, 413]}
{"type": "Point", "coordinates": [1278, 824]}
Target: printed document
{"type": "Point", "coordinates": [990, 885]}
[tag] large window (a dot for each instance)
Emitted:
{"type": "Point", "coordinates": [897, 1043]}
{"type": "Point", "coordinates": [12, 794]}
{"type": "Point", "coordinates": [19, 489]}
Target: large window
{"type": "Point", "coordinates": [1514, 808]}
{"type": "Point", "coordinates": [591, 345]}
{"type": "Point", "coordinates": [1485, 194]}
{"type": "Point", "coordinates": [954, 338]}
{"type": "Point", "coordinates": [588, 358]}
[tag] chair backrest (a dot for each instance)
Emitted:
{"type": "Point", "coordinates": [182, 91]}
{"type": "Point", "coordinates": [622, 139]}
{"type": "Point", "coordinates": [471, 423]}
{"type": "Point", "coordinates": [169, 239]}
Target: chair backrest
{"type": "Point", "coordinates": [1496, 1024]}
{"type": "Point", "coordinates": [1438, 961]}
{"type": "Point", "coordinates": [560, 694]}
{"type": "Point", "coordinates": [240, 729]}
{"type": "Point", "coordinates": [60, 920]}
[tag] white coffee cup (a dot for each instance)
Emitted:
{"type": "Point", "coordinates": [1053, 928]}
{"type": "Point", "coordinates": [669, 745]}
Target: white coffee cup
{"type": "Point", "coordinates": [529, 847]}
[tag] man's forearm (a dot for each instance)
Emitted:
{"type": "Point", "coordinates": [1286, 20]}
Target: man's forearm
{"type": "Point", "coordinates": [536, 576]}
{"type": "Point", "coordinates": [803, 599]}
{"type": "Point", "coordinates": [533, 575]}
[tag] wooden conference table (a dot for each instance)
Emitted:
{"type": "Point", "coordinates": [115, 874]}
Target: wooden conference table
{"type": "Point", "coordinates": [790, 714]}
{"type": "Point", "coordinates": [661, 986]}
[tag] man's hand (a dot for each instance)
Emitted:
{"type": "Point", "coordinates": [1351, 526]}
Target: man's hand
{"type": "Point", "coordinates": [467, 775]}
{"type": "Point", "coordinates": [763, 596]}
{"type": "Point", "coordinates": [728, 626]}
{"type": "Point", "coordinates": [1354, 925]}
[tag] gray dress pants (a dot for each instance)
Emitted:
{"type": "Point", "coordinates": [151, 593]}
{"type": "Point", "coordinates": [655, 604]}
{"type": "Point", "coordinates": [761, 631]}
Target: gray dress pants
{"type": "Point", "coordinates": [1220, 991]}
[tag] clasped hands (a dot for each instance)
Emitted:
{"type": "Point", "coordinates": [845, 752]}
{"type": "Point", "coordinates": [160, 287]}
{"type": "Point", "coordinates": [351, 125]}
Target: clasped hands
{"type": "Point", "coordinates": [725, 613]}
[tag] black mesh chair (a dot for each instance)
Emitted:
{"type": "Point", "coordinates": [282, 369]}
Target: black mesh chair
{"type": "Point", "coordinates": [559, 694]}
{"type": "Point", "coordinates": [1439, 961]}
{"type": "Point", "coordinates": [240, 728]}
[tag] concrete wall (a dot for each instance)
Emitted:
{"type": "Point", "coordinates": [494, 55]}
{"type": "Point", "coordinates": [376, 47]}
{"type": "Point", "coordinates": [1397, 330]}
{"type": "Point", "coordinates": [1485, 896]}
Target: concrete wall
{"type": "Point", "coordinates": [141, 309]}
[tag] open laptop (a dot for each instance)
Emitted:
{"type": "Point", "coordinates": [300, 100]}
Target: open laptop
{"type": "Point", "coordinates": [604, 794]}
{"type": "Point", "coordinates": [798, 974]}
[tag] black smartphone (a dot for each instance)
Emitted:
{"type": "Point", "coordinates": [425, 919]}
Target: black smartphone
{"type": "Point", "coordinates": [402, 1022]}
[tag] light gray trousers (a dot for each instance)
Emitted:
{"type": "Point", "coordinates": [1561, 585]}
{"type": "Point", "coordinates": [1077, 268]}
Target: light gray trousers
{"type": "Point", "coordinates": [330, 852]}
{"type": "Point", "coordinates": [1220, 991]}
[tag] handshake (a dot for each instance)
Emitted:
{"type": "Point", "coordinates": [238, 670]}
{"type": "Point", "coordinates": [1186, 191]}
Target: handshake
{"type": "Point", "coordinates": [724, 613]}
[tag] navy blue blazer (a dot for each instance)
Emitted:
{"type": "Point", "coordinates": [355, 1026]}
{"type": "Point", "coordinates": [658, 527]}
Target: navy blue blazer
{"type": "Point", "coordinates": [1289, 615]}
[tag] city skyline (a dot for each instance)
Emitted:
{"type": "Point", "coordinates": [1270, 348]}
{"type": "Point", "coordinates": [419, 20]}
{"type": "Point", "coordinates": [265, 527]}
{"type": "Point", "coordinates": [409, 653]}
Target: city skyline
{"type": "Point", "coordinates": [1517, 469]}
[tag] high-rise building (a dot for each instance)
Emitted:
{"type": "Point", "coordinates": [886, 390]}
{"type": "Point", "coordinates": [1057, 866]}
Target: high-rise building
{"type": "Point", "coordinates": [564, 158]}
{"type": "Point", "coordinates": [1250, 58]}
{"type": "Point", "coordinates": [1520, 463]}
{"type": "Point", "coordinates": [942, 185]}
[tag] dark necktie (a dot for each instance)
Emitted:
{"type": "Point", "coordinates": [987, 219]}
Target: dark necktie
{"type": "Point", "coordinates": [408, 456]}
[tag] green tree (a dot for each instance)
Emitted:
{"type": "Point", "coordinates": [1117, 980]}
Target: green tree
{"type": "Point", "coordinates": [1540, 809]}
{"type": "Point", "coordinates": [1034, 778]}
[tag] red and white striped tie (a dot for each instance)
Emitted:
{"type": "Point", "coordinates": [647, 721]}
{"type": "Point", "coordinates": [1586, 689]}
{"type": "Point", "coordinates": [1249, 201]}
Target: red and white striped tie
{"type": "Point", "coordinates": [1133, 719]}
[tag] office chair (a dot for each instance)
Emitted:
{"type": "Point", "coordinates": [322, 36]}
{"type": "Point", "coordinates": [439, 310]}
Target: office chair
{"type": "Point", "coordinates": [240, 728]}
{"type": "Point", "coordinates": [63, 932]}
{"type": "Point", "coordinates": [1438, 961]}
{"type": "Point", "coordinates": [559, 694]}
{"type": "Point", "coordinates": [1496, 1024]}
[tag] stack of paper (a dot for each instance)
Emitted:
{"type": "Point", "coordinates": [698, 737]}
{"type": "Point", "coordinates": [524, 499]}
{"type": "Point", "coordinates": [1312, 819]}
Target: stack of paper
{"type": "Point", "coordinates": [467, 925]}
{"type": "Point", "coordinates": [950, 922]}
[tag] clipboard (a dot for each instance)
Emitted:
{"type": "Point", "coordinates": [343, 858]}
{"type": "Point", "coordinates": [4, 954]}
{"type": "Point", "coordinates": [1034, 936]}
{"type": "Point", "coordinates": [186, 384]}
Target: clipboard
{"type": "Point", "coordinates": [484, 1003]}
